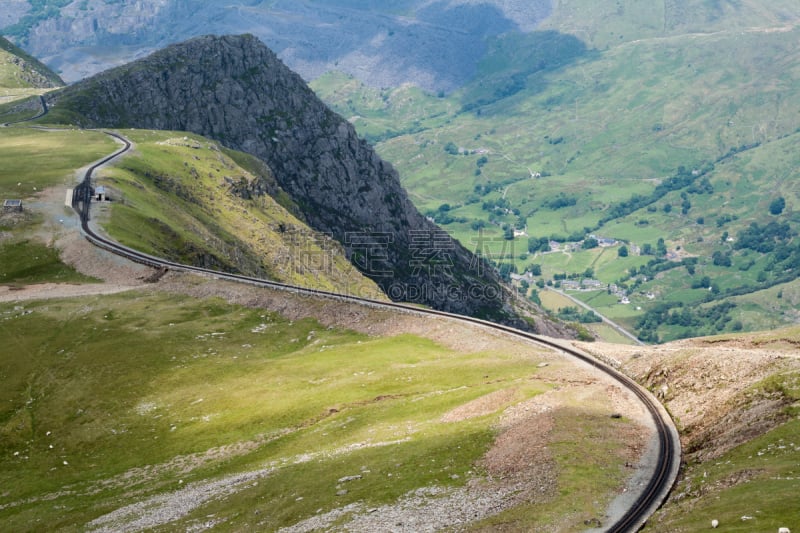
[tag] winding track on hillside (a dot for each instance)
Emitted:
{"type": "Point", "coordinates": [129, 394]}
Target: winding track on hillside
{"type": "Point", "coordinates": [40, 114]}
{"type": "Point", "coordinates": [669, 452]}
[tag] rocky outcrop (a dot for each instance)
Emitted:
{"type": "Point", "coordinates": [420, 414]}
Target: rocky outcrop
{"type": "Point", "coordinates": [235, 90]}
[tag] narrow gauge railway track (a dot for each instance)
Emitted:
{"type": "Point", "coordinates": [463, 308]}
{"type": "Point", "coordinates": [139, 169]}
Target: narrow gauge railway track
{"type": "Point", "coordinates": [40, 114]}
{"type": "Point", "coordinates": [666, 469]}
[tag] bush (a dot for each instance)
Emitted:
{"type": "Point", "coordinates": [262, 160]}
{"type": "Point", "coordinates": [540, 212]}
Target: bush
{"type": "Point", "coordinates": [777, 205]}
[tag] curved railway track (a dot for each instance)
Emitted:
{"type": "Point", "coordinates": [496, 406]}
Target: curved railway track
{"type": "Point", "coordinates": [40, 114]}
{"type": "Point", "coordinates": [666, 469]}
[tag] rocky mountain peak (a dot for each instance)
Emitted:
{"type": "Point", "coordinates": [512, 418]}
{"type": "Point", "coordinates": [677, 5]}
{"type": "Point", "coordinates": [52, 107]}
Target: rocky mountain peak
{"type": "Point", "coordinates": [237, 91]}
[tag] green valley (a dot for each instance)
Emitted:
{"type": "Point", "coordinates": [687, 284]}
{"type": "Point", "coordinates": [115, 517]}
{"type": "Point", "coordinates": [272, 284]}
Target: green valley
{"type": "Point", "coordinates": [666, 140]}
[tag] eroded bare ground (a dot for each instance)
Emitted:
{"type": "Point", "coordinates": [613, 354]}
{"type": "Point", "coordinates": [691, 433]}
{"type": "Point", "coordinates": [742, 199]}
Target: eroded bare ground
{"type": "Point", "coordinates": [115, 274]}
{"type": "Point", "coordinates": [709, 385]}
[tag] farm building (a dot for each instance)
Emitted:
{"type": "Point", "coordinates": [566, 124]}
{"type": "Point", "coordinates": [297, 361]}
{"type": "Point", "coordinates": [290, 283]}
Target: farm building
{"type": "Point", "coordinates": [12, 206]}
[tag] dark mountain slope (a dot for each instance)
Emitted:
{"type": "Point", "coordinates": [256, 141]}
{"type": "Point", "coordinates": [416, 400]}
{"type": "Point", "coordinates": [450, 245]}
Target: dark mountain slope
{"type": "Point", "coordinates": [235, 90]}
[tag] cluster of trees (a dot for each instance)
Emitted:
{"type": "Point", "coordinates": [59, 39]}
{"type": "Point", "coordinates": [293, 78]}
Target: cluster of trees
{"type": "Point", "coordinates": [683, 178]}
{"type": "Point", "coordinates": [443, 216]}
{"type": "Point", "coordinates": [559, 202]}
{"type": "Point", "coordinates": [538, 244]}
{"type": "Point", "coordinates": [451, 148]}
{"type": "Point", "coordinates": [573, 314]}
{"type": "Point", "coordinates": [722, 259]}
{"type": "Point", "coordinates": [764, 238]}
{"type": "Point", "coordinates": [500, 206]}
{"type": "Point", "coordinates": [694, 320]}
{"type": "Point", "coordinates": [777, 206]}
{"type": "Point", "coordinates": [654, 267]}
{"type": "Point", "coordinates": [482, 189]}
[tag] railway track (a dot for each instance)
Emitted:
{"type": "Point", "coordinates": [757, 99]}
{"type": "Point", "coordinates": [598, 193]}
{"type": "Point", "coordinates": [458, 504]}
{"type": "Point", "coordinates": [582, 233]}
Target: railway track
{"type": "Point", "coordinates": [666, 469]}
{"type": "Point", "coordinates": [40, 114]}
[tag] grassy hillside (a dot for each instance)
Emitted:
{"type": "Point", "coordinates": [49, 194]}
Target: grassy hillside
{"type": "Point", "coordinates": [203, 408]}
{"type": "Point", "coordinates": [18, 70]}
{"type": "Point", "coordinates": [670, 134]}
{"type": "Point", "coordinates": [31, 162]}
{"type": "Point", "coordinates": [183, 197]}
{"type": "Point", "coordinates": [177, 196]}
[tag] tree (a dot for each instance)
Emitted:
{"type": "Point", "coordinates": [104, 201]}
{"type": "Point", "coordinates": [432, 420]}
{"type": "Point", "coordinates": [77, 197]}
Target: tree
{"type": "Point", "coordinates": [721, 259]}
{"type": "Point", "coordinates": [590, 243]}
{"type": "Point", "coordinates": [661, 247]}
{"type": "Point", "coordinates": [535, 269]}
{"type": "Point", "coordinates": [538, 244]}
{"type": "Point", "coordinates": [623, 251]}
{"type": "Point", "coordinates": [777, 205]}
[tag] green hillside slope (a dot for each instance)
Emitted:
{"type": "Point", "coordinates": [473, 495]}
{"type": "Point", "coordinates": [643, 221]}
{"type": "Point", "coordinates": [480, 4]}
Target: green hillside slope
{"type": "Point", "coordinates": [19, 70]}
{"type": "Point", "coordinates": [158, 410]}
{"type": "Point", "coordinates": [177, 196]}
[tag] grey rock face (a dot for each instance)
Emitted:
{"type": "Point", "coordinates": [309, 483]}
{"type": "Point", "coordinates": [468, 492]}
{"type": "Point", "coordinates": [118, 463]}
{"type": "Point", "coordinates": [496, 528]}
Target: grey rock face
{"type": "Point", "coordinates": [435, 44]}
{"type": "Point", "coordinates": [235, 90]}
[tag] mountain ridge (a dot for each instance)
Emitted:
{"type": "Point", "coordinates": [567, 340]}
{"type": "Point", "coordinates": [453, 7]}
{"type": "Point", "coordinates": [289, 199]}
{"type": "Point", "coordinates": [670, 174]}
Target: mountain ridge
{"type": "Point", "coordinates": [235, 90]}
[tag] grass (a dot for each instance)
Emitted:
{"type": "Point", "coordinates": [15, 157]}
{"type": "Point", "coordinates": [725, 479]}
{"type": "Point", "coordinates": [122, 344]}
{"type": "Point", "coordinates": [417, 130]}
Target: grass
{"type": "Point", "coordinates": [28, 262]}
{"type": "Point", "coordinates": [107, 400]}
{"type": "Point", "coordinates": [32, 160]}
{"type": "Point", "coordinates": [584, 471]}
{"type": "Point", "coordinates": [755, 480]}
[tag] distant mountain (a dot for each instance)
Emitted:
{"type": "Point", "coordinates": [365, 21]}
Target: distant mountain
{"type": "Point", "coordinates": [434, 44]}
{"type": "Point", "coordinates": [235, 90]}
{"type": "Point", "coordinates": [20, 70]}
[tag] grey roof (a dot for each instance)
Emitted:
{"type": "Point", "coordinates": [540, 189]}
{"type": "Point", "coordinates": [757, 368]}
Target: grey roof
{"type": "Point", "coordinates": [12, 203]}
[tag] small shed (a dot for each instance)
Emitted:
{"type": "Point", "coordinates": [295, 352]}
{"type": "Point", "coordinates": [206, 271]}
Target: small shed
{"type": "Point", "coordinates": [12, 206]}
{"type": "Point", "coordinates": [100, 194]}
